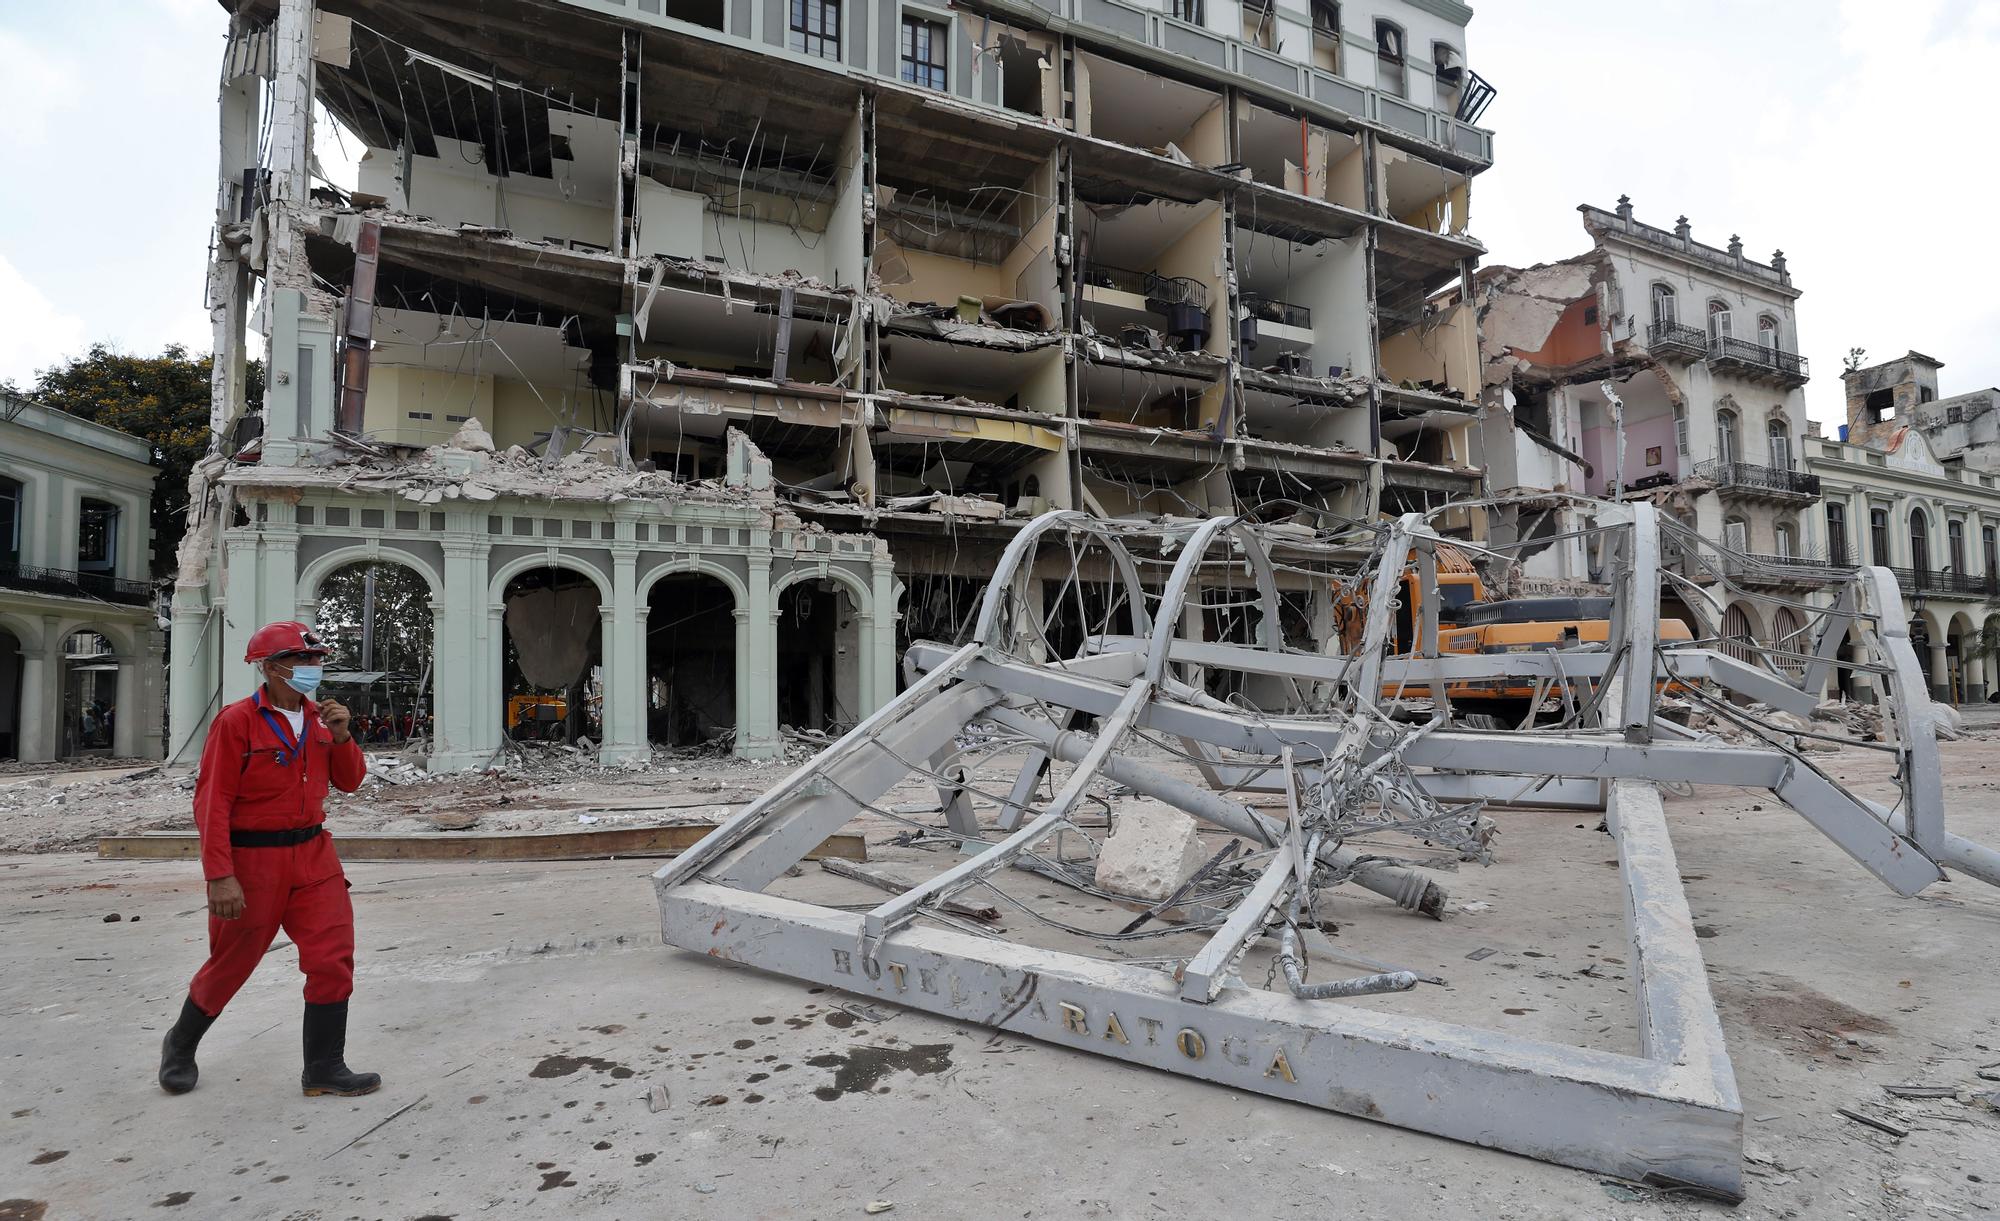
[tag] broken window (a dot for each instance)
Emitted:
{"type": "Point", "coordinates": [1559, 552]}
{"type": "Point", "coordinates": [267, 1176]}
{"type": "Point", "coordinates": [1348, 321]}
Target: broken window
{"type": "Point", "coordinates": [816, 28]}
{"type": "Point", "coordinates": [1664, 311]}
{"type": "Point", "coordinates": [97, 537]}
{"type": "Point", "coordinates": [1326, 34]}
{"type": "Point", "coordinates": [1449, 63]}
{"type": "Point", "coordinates": [924, 46]}
{"type": "Point", "coordinates": [1390, 70]}
{"type": "Point", "coordinates": [1194, 12]}
{"type": "Point", "coordinates": [697, 12]}
{"type": "Point", "coordinates": [1260, 24]}
{"type": "Point", "coordinates": [1880, 404]}
{"type": "Point", "coordinates": [1836, 533]}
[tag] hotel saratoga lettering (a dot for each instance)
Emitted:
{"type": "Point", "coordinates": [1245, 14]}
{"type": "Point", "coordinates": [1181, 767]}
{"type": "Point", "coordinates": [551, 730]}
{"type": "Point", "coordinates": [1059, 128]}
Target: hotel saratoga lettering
{"type": "Point", "coordinates": [1075, 1018]}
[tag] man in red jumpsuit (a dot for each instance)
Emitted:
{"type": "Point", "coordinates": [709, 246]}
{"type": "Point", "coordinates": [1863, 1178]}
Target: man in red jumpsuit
{"type": "Point", "coordinates": [259, 805]}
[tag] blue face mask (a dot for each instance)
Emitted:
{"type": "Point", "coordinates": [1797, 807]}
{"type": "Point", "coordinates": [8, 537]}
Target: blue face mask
{"type": "Point", "coordinates": [306, 679]}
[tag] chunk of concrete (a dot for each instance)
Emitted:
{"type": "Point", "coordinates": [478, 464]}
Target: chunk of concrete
{"type": "Point", "coordinates": [1946, 721]}
{"type": "Point", "coordinates": [1151, 852]}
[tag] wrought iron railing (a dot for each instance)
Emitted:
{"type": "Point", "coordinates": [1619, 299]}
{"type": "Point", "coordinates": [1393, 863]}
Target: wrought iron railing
{"type": "Point", "coordinates": [1957, 584]}
{"type": "Point", "coordinates": [1672, 336]}
{"type": "Point", "coordinates": [1270, 309]}
{"type": "Point", "coordinates": [67, 584]}
{"type": "Point", "coordinates": [1755, 566]}
{"type": "Point", "coordinates": [1160, 291]}
{"type": "Point", "coordinates": [1753, 355]}
{"type": "Point", "coordinates": [1761, 478]}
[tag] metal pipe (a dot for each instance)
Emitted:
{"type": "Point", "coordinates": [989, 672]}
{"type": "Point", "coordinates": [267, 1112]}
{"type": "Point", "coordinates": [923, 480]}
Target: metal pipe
{"type": "Point", "coordinates": [1334, 989]}
{"type": "Point", "coordinates": [1970, 858]}
{"type": "Point", "coordinates": [1404, 887]}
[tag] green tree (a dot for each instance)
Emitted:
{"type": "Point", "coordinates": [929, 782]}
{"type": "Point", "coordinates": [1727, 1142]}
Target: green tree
{"type": "Point", "coordinates": [402, 617]}
{"type": "Point", "coordinates": [163, 399]}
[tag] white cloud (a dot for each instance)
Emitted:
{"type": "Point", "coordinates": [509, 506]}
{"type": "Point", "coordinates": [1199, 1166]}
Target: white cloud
{"type": "Point", "coordinates": [33, 332]}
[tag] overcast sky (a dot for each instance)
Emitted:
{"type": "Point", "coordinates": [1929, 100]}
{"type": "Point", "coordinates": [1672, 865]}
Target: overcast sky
{"type": "Point", "coordinates": [1853, 134]}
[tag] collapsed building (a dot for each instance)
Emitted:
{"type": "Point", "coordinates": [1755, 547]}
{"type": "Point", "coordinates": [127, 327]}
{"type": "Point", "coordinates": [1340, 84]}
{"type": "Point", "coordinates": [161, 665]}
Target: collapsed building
{"type": "Point", "coordinates": [727, 346]}
{"type": "Point", "coordinates": [1656, 367]}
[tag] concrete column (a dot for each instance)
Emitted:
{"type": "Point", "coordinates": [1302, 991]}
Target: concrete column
{"type": "Point", "coordinates": [461, 665]}
{"type": "Point", "coordinates": [1940, 673]}
{"type": "Point", "coordinates": [624, 665]}
{"type": "Point", "coordinates": [41, 697]}
{"type": "Point", "coordinates": [240, 610]}
{"type": "Point", "coordinates": [878, 629]}
{"type": "Point", "coordinates": [126, 713]}
{"type": "Point", "coordinates": [757, 666]}
{"type": "Point", "coordinates": [1972, 682]}
{"type": "Point", "coordinates": [197, 675]}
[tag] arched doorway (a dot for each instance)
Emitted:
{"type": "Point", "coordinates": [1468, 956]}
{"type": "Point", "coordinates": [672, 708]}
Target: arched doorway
{"type": "Point", "coordinates": [1739, 632]}
{"type": "Point", "coordinates": [378, 615]}
{"type": "Point", "coordinates": [819, 657]}
{"type": "Point", "coordinates": [1920, 542]}
{"type": "Point", "coordinates": [10, 694]}
{"type": "Point", "coordinates": [90, 695]}
{"type": "Point", "coordinates": [691, 662]}
{"type": "Point", "coordinates": [1788, 635]}
{"type": "Point", "coordinates": [551, 666]}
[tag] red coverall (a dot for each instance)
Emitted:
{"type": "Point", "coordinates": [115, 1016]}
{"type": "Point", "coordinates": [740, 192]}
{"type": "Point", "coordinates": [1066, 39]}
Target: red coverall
{"type": "Point", "coordinates": [254, 779]}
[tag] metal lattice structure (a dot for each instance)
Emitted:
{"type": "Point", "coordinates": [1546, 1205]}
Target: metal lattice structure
{"type": "Point", "coordinates": [1352, 759]}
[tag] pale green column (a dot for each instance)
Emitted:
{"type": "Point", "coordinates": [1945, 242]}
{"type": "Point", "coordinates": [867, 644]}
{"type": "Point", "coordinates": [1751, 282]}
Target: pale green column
{"type": "Point", "coordinates": [240, 614]}
{"type": "Point", "coordinates": [196, 675]}
{"type": "Point", "coordinates": [459, 661]}
{"type": "Point", "coordinates": [757, 666]}
{"type": "Point", "coordinates": [879, 675]}
{"type": "Point", "coordinates": [624, 665]}
{"type": "Point", "coordinates": [41, 697]}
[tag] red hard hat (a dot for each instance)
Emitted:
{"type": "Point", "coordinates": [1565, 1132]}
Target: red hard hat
{"type": "Point", "coordinates": [286, 636]}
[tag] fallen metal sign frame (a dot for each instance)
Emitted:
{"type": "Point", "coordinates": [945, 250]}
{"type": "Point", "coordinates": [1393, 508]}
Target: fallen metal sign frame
{"type": "Point", "coordinates": [1669, 1114]}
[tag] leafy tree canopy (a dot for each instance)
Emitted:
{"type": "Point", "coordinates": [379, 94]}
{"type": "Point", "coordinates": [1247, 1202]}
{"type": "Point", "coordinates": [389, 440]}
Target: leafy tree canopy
{"type": "Point", "coordinates": [402, 618]}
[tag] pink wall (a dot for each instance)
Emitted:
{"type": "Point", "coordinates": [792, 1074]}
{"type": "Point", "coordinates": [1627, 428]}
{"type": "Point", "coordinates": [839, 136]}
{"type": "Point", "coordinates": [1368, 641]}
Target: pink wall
{"type": "Point", "coordinates": [1599, 447]}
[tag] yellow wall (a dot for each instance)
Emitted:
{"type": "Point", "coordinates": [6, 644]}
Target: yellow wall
{"type": "Point", "coordinates": [943, 279]}
{"type": "Point", "coordinates": [1446, 349]}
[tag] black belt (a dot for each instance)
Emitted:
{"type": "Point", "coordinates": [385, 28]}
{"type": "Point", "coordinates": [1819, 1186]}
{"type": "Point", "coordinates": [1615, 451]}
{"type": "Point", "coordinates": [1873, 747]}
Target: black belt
{"type": "Point", "coordinates": [274, 839]}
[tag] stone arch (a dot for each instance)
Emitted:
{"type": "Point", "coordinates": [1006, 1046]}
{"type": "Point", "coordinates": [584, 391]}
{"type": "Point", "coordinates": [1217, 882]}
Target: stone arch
{"type": "Point", "coordinates": [863, 591]}
{"type": "Point", "coordinates": [314, 574]}
{"type": "Point", "coordinates": [1741, 629]}
{"type": "Point", "coordinates": [696, 565]}
{"type": "Point", "coordinates": [123, 643]}
{"type": "Point", "coordinates": [496, 591]}
{"type": "Point", "coordinates": [24, 630]}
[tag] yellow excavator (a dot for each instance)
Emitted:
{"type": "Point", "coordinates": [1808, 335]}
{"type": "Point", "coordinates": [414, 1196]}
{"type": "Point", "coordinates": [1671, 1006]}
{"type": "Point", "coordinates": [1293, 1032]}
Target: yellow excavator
{"type": "Point", "coordinates": [1469, 623]}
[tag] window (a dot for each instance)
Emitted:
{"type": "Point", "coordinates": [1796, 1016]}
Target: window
{"type": "Point", "coordinates": [1780, 436]}
{"type": "Point", "coordinates": [1736, 534]}
{"type": "Point", "coordinates": [1954, 535]}
{"type": "Point", "coordinates": [1767, 333]}
{"type": "Point", "coordinates": [1836, 534]}
{"type": "Point", "coordinates": [1449, 64]}
{"type": "Point", "coordinates": [1260, 24]}
{"type": "Point", "coordinates": [1925, 394]}
{"type": "Point", "coordinates": [1726, 436]}
{"type": "Point", "coordinates": [1663, 305]}
{"type": "Point", "coordinates": [1880, 405]}
{"type": "Point", "coordinates": [1920, 541]}
{"type": "Point", "coordinates": [1878, 536]}
{"type": "Point", "coordinates": [1681, 429]}
{"type": "Point", "coordinates": [10, 520]}
{"type": "Point", "coordinates": [1391, 75]}
{"type": "Point", "coordinates": [924, 46]}
{"type": "Point", "coordinates": [816, 28]}
{"type": "Point", "coordinates": [1786, 537]}
{"type": "Point", "coordinates": [97, 537]}
{"type": "Point", "coordinates": [1194, 12]}
{"type": "Point", "coordinates": [1718, 320]}
{"type": "Point", "coordinates": [1989, 553]}
{"type": "Point", "coordinates": [1326, 35]}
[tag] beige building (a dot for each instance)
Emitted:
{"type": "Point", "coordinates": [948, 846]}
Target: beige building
{"type": "Point", "coordinates": [80, 645]}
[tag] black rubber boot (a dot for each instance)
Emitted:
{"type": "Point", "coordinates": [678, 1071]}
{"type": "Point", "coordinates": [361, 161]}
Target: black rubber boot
{"type": "Point", "coordinates": [326, 1052]}
{"type": "Point", "coordinates": [177, 1068]}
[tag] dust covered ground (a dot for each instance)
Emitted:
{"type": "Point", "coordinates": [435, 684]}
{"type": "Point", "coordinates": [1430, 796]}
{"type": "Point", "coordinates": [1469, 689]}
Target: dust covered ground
{"type": "Point", "coordinates": [545, 1054]}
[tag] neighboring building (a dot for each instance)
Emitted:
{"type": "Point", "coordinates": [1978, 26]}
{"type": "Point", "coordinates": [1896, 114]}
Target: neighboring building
{"type": "Point", "coordinates": [1896, 497]}
{"type": "Point", "coordinates": [1700, 345]}
{"type": "Point", "coordinates": [80, 651]}
{"type": "Point", "coordinates": [798, 313]}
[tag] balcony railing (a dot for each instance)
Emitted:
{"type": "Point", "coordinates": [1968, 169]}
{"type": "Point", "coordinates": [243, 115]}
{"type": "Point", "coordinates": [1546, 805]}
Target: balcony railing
{"type": "Point", "coordinates": [66, 584]}
{"type": "Point", "coordinates": [1270, 309]}
{"type": "Point", "coordinates": [1673, 339]}
{"type": "Point", "coordinates": [1749, 356]}
{"type": "Point", "coordinates": [1749, 476]}
{"type": "Point", "coordinates": [1755, 568]}
{"type": "Point", "coordinates": [1950, 584]}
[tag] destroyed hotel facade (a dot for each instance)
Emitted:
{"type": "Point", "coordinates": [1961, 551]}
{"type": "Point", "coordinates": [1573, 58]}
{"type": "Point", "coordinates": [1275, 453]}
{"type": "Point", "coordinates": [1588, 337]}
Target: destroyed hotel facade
{"type": "Point", "coordinates": [780, 321]}
{"type": "Point", "coordinates": [1654, 366]}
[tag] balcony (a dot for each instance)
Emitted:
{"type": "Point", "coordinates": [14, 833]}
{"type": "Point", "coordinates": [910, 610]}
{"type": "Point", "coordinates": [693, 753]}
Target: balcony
{"type": "Point", "coordinates": [1672, 340]}
{"type": "Point", "coordinates": [1747, 480]}
{"type": "Point", "coordinates": [1762, 569]}
{"type": "Point", "coordinates": [62, 583]}
{"type": "Point", "coordinates": [1757, 361]}
{"type": "Point", "coordinates": [1947, 584]}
